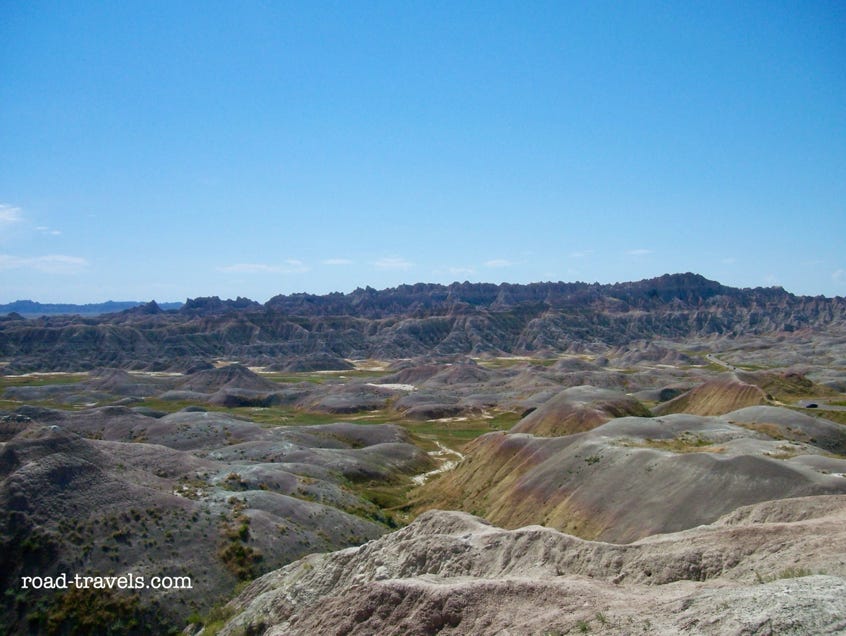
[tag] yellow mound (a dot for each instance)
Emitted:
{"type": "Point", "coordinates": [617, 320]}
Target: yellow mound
{"type": "Point", "coordinates": [715, 397]}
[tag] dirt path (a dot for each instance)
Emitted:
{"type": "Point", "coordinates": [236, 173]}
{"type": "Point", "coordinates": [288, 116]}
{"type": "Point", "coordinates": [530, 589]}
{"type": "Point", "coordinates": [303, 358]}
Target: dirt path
{"type": "Point", "coordinates": [712, 358]}
{"type": "Point", "coordinates": [447, 464]}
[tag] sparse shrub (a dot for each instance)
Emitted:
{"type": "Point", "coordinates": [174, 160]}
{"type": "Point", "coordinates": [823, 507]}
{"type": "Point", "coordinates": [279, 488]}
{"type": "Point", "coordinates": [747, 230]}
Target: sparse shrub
{"type": "Point", "coordinates": [794, 573]}
{"type": "Point", "coordinates": [88, 611]}
{"type": "Point", "coordinates": [194, 618]}
{"type": "Point", "coordinates": [238, 557]}
{"type": "Point", "coordinates": [234, 481]}
{"type": "Point", "coordinates": [787, 573]}
{"type": "Point", "coordinates": [214, 620]}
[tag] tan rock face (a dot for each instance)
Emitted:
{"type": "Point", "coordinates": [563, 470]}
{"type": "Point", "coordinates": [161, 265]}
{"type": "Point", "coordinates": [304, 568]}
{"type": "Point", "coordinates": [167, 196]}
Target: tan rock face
{"type": "Point", "coordinates": [776, 567]}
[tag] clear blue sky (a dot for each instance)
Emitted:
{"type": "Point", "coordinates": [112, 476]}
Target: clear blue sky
{"type": "Point", "coordinates": [178, 149]}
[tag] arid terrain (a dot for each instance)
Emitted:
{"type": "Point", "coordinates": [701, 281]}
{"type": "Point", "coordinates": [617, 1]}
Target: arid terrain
{"type": "Point", "coordinates": [666, 456]}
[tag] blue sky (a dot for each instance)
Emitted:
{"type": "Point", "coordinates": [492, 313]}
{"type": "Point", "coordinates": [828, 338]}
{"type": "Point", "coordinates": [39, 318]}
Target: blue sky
{"type": "Point", "coordinates": [179, 149]}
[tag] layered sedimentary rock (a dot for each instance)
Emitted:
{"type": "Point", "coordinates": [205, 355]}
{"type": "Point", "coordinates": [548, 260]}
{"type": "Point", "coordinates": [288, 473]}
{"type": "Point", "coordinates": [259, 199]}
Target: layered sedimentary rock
{"type": "Point", "coordinates": [412, 320]}
{"type": "Point", "coordinates": [776, 567]}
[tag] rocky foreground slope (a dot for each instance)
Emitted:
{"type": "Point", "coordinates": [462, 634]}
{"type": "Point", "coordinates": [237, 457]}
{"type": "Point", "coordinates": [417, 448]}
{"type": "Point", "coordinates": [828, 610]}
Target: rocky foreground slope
{"type": "Point", "coordinates": [218, 499]}
{"type": "Point", "coordinates": [772, 568]}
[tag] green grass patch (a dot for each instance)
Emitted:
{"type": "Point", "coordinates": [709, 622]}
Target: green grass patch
{"type": "Point", "coordinates": [784, 451]}
{"type": "Point", "coordinates": [36, 380]}
{"type": "Point", "coordinates": [750, 367]}
{"type": "Point", "coordinates": [219, 615]}
{"type": "Point", "coordinates": [170, 406]}
{"type": "Point", "coordinates": [90, 611]}
{"type": "Point", "coordinates": [787, 573]}
{"type": "Point", "coordinates": [392, 501]}
{"type": "Point", "coordinates": [507, 363]}
{"type": "Point", "coordinates": [684, 443]}
{"type": "Point", "coordinates": [385, 495]}
{"type": "Point", "coordinates": [272, 415]}
{"type": "Point", "coordinates": [288, 416]}
{"type": "Point", "coordinates": [47, 404]}
{"type": "Point", "coordinates": [321, 377]}
{"type": "Point", "coordinates": [41, 379]}
{"type": "Point", "coordinates": [456, 434]}
{"type": "Point", "coordinates": [832, 416]}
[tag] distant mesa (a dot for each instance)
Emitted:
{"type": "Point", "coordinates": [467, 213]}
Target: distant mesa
{"type": "Point", "coordinates": [150, 309]}
{"type": "Point", "coordinates": [29, 308]}
{"type": "Point", "coordinates": [311, 332]}
{"type": "Point", "coordinates": [210, 305]}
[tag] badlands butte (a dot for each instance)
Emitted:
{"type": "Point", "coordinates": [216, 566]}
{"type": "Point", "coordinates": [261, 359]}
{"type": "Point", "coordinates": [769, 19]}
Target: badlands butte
{"type": "Point", "coordinates": [665, 456]}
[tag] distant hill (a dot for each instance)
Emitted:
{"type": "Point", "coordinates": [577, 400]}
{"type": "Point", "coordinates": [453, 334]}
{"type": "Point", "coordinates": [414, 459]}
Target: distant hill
{"type": "Point", "coordinates": [30, 308]}
{"type": "Point", "coordinates": [411, 320]}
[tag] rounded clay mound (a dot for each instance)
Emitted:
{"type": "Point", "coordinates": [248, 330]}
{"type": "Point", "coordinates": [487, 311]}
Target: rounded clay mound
{"type": "Point", "coordinates": [577, 409]}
